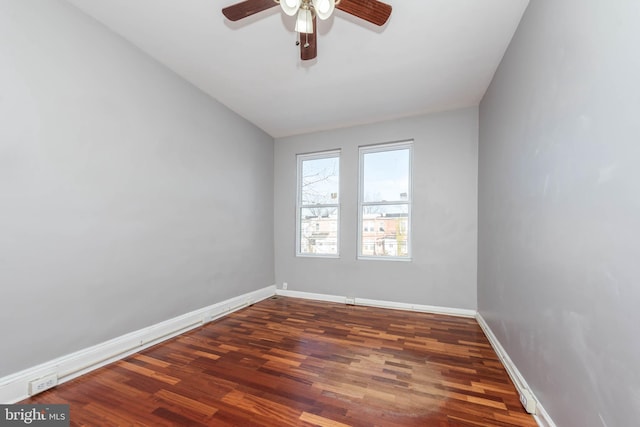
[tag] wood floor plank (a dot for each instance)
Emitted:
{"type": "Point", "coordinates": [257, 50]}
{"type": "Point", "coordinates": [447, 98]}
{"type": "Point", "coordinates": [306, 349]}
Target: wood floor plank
{"type": "Point", "coordinates": [293, 362]}
{"type": "Point", "coordinates": [317, 420]}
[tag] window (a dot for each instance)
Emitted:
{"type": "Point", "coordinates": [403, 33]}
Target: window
{"type": "Point", "coordinates": [318, 205]}
{"type": "Point", "coordinates": [385, 200]}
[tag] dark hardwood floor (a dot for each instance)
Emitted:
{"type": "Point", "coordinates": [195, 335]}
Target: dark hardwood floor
{"type": "Point", "coordinates": [292, 362]}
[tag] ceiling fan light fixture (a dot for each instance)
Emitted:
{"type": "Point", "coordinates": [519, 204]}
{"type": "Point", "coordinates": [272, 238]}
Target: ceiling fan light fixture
{"type": "Point", "coordinates": [324, 8]}
{"type": "Point", "coordinates": [290, 7]}
{"type": "Point", "coordinates": [304, 22]}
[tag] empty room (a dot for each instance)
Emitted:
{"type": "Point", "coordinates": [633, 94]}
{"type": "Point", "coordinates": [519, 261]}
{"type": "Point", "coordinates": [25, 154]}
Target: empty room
{"type": "Point", "coordinates": [319, 213]}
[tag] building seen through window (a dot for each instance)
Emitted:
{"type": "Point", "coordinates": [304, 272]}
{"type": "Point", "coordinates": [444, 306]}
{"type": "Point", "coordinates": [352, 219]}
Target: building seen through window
{"type": "Point", "coordinates": [318, 204]}
{"type": "Point", "coordinates": [385, 201]}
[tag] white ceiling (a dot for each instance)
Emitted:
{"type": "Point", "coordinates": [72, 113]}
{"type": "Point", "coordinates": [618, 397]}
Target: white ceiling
{"type": "Point", "coordinates": [432, 55]}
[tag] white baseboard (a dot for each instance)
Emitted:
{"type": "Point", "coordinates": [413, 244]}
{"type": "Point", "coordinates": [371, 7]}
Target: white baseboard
{"type": "Point", "coordinates": [541, 416]}
{"type": "Point", "coordinates": [311, 296]}
{"type": "Point", "coordinates": [15, 387]}
{"type": "Point", "coordinates": [460, 312]}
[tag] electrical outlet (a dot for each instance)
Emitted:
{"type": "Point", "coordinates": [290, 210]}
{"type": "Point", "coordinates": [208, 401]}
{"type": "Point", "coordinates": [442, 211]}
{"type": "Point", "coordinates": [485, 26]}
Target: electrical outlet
{"type": "Point", "coordinates": [42, 384]}
{"type": "Point", "coordinates": [284, 285]}
{"type": "Point", "coordinates": [528, 402]}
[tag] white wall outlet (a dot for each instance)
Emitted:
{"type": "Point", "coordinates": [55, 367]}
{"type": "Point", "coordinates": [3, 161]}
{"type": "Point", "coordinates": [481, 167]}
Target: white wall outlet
{"type": "Point", "coordinates": [350, 301]}
{"type": "Point", "coordinates": [42, 384]}
{"type": "Point", "coordinates": [528, 402]}
{"type": "Point", "coordinates": [285, 285]}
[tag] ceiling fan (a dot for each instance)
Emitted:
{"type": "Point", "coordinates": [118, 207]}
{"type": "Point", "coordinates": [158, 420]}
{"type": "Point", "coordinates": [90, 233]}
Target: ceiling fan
{"type": "Point", "coordinates": [306, 12]}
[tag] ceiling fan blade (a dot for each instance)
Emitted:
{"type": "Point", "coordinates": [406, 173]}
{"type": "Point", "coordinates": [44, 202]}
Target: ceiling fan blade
{"type": "Point", "coordinates": [309, 43]}
{"type": "Point", "coordinates": [373, 11]}
{"type": "Point", "coordinates": [246, 8]}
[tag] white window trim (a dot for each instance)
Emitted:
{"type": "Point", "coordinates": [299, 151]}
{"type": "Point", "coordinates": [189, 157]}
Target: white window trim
{"type": "Point", "coordinates": [299, 206]}
{"type": "Point", "coordinates": [367, 149]}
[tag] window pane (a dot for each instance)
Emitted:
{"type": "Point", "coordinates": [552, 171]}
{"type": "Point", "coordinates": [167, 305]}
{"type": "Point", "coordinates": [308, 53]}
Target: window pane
{"type": "Point", "coordinates": [319, 231]}
{"type": "Point", "coordinates": [386, 176]}
{"type": "Point", "coordinates": [320, 179]}
{"type": "Point", "coordinates": [385, 230]}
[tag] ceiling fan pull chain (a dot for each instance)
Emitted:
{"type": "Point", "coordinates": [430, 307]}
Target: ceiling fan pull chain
{"type": "Point", "coordinates": [306, 43]}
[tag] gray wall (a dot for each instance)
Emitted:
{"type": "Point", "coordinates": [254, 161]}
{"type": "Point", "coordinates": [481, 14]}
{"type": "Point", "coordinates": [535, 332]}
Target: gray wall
{"type": "Point", "coordinates": [443, 270]}
{"type": "Point", "coordinates": [559, 208]}
{"type": "Point", "coordinates": [127, 196]}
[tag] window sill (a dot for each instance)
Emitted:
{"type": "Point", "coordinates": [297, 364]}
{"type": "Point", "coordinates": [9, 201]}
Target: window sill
{"type": "Point", "coordinates": [379, 258]}
{"type": "Point", "coordinates": [317, 256]}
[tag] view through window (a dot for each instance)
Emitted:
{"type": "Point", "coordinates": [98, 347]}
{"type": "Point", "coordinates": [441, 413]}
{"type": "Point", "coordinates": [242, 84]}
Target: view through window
{"type": "Point", "coordinates": [318, 204]}
{"type": "Point", "coordinates": [385, 201]}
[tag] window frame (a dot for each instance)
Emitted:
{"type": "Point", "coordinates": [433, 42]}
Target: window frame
{"type": "Point", "coordinates": [300, 158]}
{"type": "Point", "coordinates": [379, 148]}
